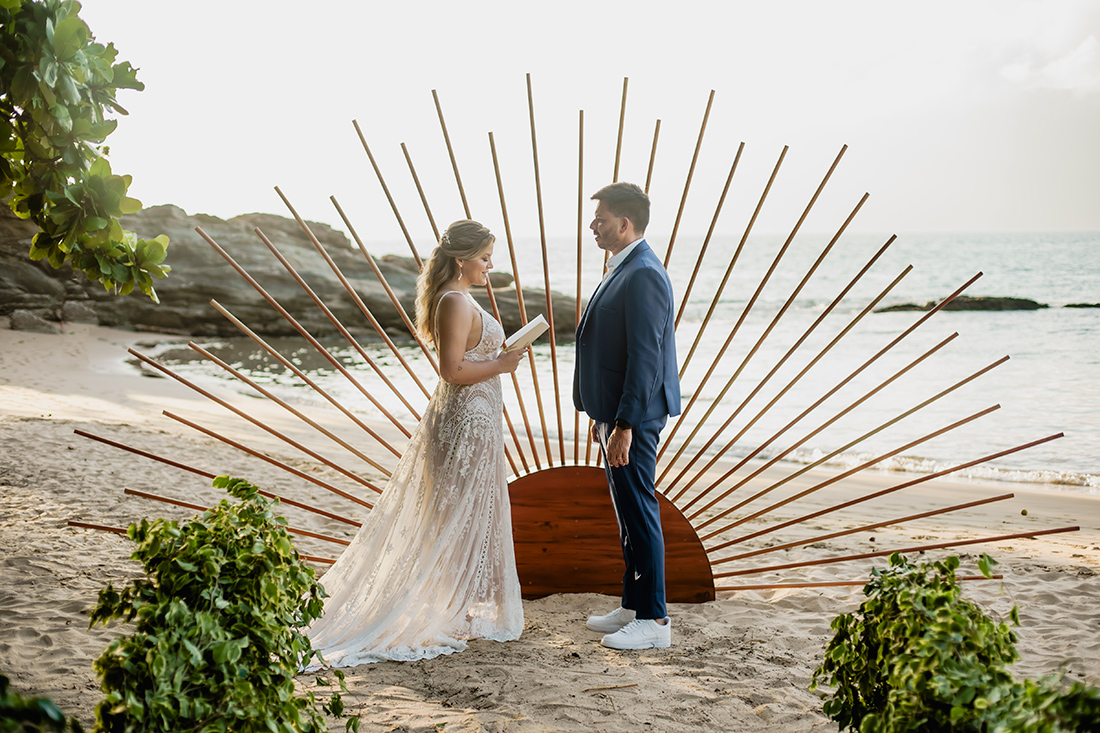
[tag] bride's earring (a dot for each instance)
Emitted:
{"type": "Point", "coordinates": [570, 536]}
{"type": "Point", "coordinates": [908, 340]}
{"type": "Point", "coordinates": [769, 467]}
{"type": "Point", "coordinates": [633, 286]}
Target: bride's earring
{"type": "Point", "coordinates": [460, 273]}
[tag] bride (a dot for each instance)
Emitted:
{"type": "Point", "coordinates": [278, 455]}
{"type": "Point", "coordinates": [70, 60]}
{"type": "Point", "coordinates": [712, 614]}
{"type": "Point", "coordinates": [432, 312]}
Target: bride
{"type": "Point", "coordinates": [433, 565]}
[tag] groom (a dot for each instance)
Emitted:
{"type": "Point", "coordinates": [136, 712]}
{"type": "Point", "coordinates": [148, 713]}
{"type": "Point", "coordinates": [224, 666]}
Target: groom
{"type": "Point", "coordinates": [626, 380]}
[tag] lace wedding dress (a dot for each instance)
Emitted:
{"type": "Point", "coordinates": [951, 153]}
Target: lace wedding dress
{"type": "Point", "coordinates": [433, 564]}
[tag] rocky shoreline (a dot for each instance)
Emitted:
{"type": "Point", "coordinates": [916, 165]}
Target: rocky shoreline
{"type": "Point", "coordinates": [37, 297]}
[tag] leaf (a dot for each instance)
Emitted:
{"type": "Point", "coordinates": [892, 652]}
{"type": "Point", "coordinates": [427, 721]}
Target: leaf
{"type": "Point", "coordinates": [69, 36]}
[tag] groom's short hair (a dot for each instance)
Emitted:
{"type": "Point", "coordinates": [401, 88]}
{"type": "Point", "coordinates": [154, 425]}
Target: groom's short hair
{"type": "Point", "coordinates": [626, 200]}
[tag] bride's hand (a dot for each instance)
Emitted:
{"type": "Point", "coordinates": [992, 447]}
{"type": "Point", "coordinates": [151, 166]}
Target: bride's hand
{"type": "Point", "coordinates": [509, 360]}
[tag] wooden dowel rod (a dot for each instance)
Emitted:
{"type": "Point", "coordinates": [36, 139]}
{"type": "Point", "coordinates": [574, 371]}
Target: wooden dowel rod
{"type": "Point", "coordinates": [241, 413]}
{"type": "Point", "coordinates": [752, 302]}
{"type": "Point", "coordinates": [733, 261]}
{"type": "Point", "coordinates": [423, 198]}
{"type": "Point", "coordinates": [299, 328]}
{"type": "Point", "coordinates": [687, 183]}
{"type": "Point", "coordinates": [885, 553]}
{"type": "Point", "coordinates": [830, 421]}
{"type": "Point", "coordinates": [211, 476]}
{"type": "Point", "coordinates": [854, 530]}
{"type": "Point", "coordinates": [619, 137]}
{"type": "Point", "coordinates": [291, 409]}
{"type": "Point", "coordinates": [652, 156]}
{"type": "Point", "coordinates": [279, 464]}
{"type": "Point", "coordinates": [770, 327]}
{"type": "Point", "coordinates": [783, 360]}
{"type": "Point", "coordinates": [710, 233]}
{"type": "Point", "coordinates": [451, 153]}
{"type": "Point", "coordinates": [345, 333]}
{"type": "Point", "coordinates": [898, 339]}
{"type": "Point", "coordinates": [409, 325]}
{"type": "Point", "coordinates": [119, 530]}
{"type": "Point", "coordinates": [884, 492]}
{"type": "Point", "coordinates": [580, 251]}
{"type": "Point", "coordinates": [355, 298]}
{"type": "Point", "coordinates": [301, 375]}
{"type": "Point", "coordinates": [546, 271]}
{"type": "Point", "coordinates": [831, 584]}
{"type": "Point", "coordinates": [199, 508]}
{"type": "Point", "coordinates": [517, 282]}
{"type": "Point", "coordinates": [850, 472]}
{"type": "Point", "coordinates": [893, 421]}
{"type": "Point", "coordinates": [386, 189]}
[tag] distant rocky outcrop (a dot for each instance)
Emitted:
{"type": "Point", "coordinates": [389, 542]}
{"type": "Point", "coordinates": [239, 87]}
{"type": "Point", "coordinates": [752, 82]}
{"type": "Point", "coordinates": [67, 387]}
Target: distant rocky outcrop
{"type": "Point", "coordinates": [200, 274]}
{"type": "Point", "coordinates": [967, 303]}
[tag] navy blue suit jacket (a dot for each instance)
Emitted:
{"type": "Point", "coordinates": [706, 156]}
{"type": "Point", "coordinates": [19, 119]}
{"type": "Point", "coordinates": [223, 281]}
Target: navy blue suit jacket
{"type": "Point", "coordinates": [626, 345]}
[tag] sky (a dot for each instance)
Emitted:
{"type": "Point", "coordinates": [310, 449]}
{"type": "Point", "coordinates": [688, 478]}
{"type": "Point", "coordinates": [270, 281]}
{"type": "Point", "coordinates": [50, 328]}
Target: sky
{"type": "Point", "coordinates": [958, 116]}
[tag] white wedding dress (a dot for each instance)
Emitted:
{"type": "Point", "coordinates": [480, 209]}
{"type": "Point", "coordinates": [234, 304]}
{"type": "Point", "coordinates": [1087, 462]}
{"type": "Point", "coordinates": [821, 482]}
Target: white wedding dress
{"type": "Point", "coordinates": [433, 564]}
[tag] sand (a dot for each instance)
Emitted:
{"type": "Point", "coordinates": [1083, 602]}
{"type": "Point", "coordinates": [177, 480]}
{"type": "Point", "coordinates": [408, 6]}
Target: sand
{"type": "Point", "coordinates": [742, 662]}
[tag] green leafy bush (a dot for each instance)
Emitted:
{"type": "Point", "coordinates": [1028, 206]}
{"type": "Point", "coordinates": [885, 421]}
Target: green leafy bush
{"type": "Point", "coordinates": [57, 86]}
{"type": "Point", "coordinates": [217, 641]}
{"type": "Point", "coordinates": [916, 656]}
{"type": "Point", "coordinates": [20, 714]}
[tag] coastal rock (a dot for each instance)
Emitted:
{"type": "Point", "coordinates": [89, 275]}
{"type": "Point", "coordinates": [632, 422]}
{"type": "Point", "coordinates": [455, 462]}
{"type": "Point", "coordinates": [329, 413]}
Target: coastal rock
{"type": "Point", "coordinates": [968, 303]}
{"type": "Point", "coordinates": [199, 275]}
{"type": "Point", "coordinates": [28, 321]}
{"type": "Point", "coordinates": [1082, 305]}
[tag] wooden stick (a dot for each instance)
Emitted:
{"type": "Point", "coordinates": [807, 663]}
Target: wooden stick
{"type": "Point", "coordinates": [884, 492]}
{"type": "Point", "coordinates": [241, 413]}
{"type": "Point", "coordinates": [752, 302]}
{"type": "Point", "coordinates": [386, 190]}
{"type": "Point", "coordinates": [355, 298]}
{"type": "Point", "coordinates": [211, 476]}
{"type": "Point", "coordinates": [423, 198]}
{"type": "Point", "coordinates": [783, 360]}
{"type": "Point", "coordinates": [522, 316]}
{"type": "Point", "coordinates": [856, 441]}
{"type": "Point", "coordinates": [546, 267]}
{"type": "Point", "coordinates": [385, 284]}
{"type": "Point", "coordinates": [301, 375]}
{"type": "Point", "coordinates": [687, 183]}
{"type": "Point", "coordinates": [710, 233]}
{"type": "Point", "coordinates": [733, 261]}
{"type": "Point", "coordinates": [884, 553]}
{"type": "Point", "coordinates": [855, 530]}
{"type": "Point", "coordinates": [451, 153]}
{"type": "Point", "coordinates": [830, 584]}
{"type": "Point", "coordinates": [619, 138]}
{"type": "Point", "coordinates": [898, 339]}
{"type": "Point", "coordinates": [198, 508]}
{"type": "Point", "coordinates": [610, 687]}
{"type": "Point", "coordinates": [652, 156]}
{"type": "Point", "coordinates": [852, 471]}
{"type": "Point", "coordinates": [851, 406]}
{"type": "Point", "coordinates": [300, 328]}
{"type": "Point", "coordinates": [291, 409]}
{"type": "Point", "coordinates": [580, 234]}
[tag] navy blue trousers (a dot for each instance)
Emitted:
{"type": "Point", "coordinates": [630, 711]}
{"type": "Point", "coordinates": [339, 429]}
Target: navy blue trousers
{"type": "Point", "coordinates": [634, 495]}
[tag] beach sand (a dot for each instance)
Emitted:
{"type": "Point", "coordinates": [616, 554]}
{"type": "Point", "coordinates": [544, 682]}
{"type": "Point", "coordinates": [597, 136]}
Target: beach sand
{"type": "Point", "coordinates": [742, 662]}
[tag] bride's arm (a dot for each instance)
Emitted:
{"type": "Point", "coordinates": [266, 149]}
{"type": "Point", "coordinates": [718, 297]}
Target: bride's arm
{"type": "Point", "coordinates": [456, 321]}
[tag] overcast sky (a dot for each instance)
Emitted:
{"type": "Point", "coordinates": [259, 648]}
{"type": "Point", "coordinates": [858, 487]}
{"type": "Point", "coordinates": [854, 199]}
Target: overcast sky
{"type": "Point", "coordinates": [959, 116]}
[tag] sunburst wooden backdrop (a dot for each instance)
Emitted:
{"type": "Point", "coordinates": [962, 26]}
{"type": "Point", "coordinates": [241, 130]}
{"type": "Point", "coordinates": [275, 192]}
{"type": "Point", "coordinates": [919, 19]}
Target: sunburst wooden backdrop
{"type": "Point", "coordinates": [566, 537]}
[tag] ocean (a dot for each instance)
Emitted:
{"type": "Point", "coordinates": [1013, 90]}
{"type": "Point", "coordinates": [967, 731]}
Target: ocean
{"type": "Point", "coordinates": [847, 362]}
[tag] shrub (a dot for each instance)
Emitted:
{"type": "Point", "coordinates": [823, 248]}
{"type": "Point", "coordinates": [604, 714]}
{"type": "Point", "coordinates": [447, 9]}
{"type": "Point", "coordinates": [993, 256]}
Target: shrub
{"type": "Point", "coordinates": [916, 656]}
{"type": "Point", "coordinates": [217, 643]}
{"type": "Point", "coordinates": [20, 714]}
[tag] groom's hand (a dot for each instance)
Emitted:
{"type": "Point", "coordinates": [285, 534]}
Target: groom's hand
{"type": "Point", "coordinates": [618, 447]}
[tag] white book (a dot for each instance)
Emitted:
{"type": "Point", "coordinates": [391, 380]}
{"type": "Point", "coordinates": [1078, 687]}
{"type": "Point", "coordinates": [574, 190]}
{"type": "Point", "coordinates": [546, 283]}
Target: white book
{"type": "Point", "coordinates": [525, 336]}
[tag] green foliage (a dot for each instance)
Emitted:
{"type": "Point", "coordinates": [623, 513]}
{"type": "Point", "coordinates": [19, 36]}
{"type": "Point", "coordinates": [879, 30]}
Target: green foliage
{"type": "Point", "coordinates": [216, 643]}
{"type": "Point", "coordinates": [916, 656]}
{"type": "Point", "coordinates": [20, 714]}
{"type": "Point", "coordinates": [57, 84]}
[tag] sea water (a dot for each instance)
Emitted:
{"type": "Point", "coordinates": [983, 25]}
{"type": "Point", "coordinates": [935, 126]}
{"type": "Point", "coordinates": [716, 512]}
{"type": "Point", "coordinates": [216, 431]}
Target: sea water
{"type": "Point", "coordinates": [851, 391]}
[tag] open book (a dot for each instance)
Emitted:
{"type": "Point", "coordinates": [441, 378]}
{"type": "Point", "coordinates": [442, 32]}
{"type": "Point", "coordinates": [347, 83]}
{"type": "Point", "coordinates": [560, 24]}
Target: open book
{"type": "Point", "coordinates": [525, 336]}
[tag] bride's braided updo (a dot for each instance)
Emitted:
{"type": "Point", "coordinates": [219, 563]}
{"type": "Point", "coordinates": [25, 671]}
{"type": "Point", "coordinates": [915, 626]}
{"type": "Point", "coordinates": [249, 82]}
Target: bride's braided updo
{"type": "Point", "coordinates": [465, 239]}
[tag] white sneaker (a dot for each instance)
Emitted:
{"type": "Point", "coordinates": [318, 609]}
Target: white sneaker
{"type": "Point", "coordinates": [613, 621]}
{"type": "Point", "coordinates": [641, 633]}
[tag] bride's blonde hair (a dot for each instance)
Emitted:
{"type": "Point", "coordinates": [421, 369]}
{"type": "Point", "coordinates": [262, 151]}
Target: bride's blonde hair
{"type": "Point", "coordinates": [465, 239]}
